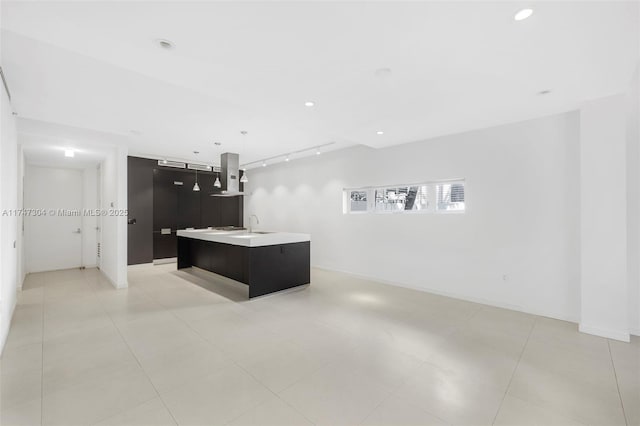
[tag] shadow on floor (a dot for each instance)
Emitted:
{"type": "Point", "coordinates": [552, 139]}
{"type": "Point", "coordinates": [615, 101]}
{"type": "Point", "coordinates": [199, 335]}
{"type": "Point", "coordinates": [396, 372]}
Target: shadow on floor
{"type": "Point", "coordinates": [217, 284]}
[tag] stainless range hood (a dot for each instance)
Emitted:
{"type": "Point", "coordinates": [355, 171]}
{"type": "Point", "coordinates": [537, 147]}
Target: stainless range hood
{"type": "Point", "coordinates": [229, 175]}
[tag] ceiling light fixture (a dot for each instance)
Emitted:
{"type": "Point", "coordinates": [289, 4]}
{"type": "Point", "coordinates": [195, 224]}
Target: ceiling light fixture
{"type": "Point", "coordinates": [244, 178]}
{"type": "Point", "coordinates": [383, 72]}
{"type": "Point", "coordinates": [196, 187]}
{"type": "Point", "coordinates": [523, 14]}
{"type": "Point", "coordinates": [379, 132]}
{"type": "Point", "coordinates": [309, 104]}
{"type": "Point", "coordinates": [69, 153]}
{"type": "Point", "coordinates": [217, 183]}
{"type": "Point", "coordinates": [164, 43]}
{"type": "Point", "coordinates": [287, 157]}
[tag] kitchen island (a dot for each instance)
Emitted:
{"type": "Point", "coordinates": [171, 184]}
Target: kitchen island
{"type": "Point", "coordinates": [266, 261]}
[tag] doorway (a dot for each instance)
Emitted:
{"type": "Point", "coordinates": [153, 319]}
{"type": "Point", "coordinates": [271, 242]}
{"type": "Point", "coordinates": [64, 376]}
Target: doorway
{"type": "Point", "coordinates": [53, 200]}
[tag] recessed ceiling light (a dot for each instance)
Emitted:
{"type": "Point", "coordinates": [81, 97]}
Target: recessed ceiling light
{"type": "Point", "coordinates": [523, 14]}
{"type": "Point", "coordinates": [264, 164]}
{"type": "Point", "coordinates": [383, 72]}
{"type": "Point", "coordinates": [318, 151]}
{"type": "Point", "coordinates": [286, 158]}
{"type": "Point", "coordinates": [69, 153]}
{"type": "Point", "coordinates": [309, 104]}
{"type": "Point", "coordinates": [544, 92]}
{"type": "Point", "coordinates": [164, 43]}
{"type": "Point", "coordinates": [379, 132]}
{"type": "Point", "coordinates": [196, 152]}
{"type": "Point", "coordinates": [217, 143]}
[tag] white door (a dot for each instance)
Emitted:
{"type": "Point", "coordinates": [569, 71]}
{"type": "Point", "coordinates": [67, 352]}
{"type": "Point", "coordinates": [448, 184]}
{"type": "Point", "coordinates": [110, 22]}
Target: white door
{"type": "Point", "coordinates": [53, 218]}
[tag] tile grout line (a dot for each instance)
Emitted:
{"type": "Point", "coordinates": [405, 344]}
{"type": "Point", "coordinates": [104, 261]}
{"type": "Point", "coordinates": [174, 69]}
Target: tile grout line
{"type": "Point", "coordinates": [137, 361]}
{"type": "Point", "coordinates": [514, 371]}
{"type": "Point", "coordinates": [393, 392]}
{"type": "Point", "coordinates": [240, 367]}
{"type": "Point", "coordinates": [615, 374]}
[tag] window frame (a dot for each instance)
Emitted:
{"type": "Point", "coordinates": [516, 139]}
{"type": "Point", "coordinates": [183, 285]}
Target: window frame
{"type": "Point", "coordinates": [451, 182]}
{"type": "Point", "coordinates": [432, 198]}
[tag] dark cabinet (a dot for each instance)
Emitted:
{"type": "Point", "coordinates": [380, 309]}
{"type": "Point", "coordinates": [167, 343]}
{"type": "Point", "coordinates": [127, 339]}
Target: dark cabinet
{"type": "Point", "coordinates": [265, 269]}
{"type": "Point", "coordinates": [140, 219]}
{"type": "Point", "coordinates": [236, 263]}
{"type": "Point", "coordinates": [163, 198]}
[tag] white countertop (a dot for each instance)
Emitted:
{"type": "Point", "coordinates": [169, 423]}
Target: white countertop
{"type": "Point", "coordinates": [244, 238]}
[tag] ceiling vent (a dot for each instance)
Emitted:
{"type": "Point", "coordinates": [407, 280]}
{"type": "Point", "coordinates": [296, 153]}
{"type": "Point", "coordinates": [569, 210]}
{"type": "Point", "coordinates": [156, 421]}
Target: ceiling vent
{"type": "Point", "coordinates": [201, 167]}
{"type": "Point", "coordinates": [168, 163]}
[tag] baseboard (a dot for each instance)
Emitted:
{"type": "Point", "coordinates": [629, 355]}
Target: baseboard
{"type": "Point", "coordinates": [165, 261]}
{"type": "Point", "coordinates": [112, 282]}
{"type": "Point", "coordinates": [139, 265]}
{"type": "Point", "coordinates": [3, 338]}
{"type": "Point", "coordinates": [602, 332]}
{"type": "Point", "coordinates": [453, 295]}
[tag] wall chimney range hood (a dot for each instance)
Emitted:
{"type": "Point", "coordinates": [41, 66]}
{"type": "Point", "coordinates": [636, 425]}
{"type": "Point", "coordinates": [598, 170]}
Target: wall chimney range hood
{"type": "Point", "coordinates": [229, 175]}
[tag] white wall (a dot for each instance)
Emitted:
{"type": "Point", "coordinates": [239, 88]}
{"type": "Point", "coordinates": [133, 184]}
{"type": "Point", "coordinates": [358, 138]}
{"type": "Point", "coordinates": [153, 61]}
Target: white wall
{"type": "Point", "coordinates": [22, 271]}
{"type": "Point", "coordinates": [633, 201]}
{"type": "Point", "coordinates": [8, 223]}
{"type": "Point", "coordinates": [516, 246]}
{"type": "Point", "coordinates": [114, 228]}
{"type": "Point", "coordinates": [603, 215]}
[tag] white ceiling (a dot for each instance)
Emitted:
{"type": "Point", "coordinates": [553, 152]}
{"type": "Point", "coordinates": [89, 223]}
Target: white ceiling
{"type": "Point", "coordinates": [455, 66]}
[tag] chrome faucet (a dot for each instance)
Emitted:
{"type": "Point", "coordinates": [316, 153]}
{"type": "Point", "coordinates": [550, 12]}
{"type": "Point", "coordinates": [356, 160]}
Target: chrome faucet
{"type": "Point", "coordinates": [257, 221]}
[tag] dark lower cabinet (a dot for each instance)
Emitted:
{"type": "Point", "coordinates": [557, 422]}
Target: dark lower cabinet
{"type": "Point", "coordinates": [265, 269]}
{"type": "Point", "coordinates": [164, 245]}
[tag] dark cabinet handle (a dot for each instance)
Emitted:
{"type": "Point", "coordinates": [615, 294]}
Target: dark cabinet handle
{"type": "Point", "coordinates": [131, 221]}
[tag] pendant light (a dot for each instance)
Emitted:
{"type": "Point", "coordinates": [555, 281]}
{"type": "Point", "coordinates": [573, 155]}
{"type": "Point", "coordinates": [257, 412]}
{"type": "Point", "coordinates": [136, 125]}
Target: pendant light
{"type": "Point", "coordinates": [196, 187]}
{"type": "Point", "coordinates": [217, 183]}
{"type": "Point", "coordinates": [244, 178]}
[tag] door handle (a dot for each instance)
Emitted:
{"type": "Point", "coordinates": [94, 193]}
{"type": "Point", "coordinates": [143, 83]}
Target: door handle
{"type": "Point", "coordinates": [77, 231]}
{"type": "Point", "coordinates": [132, 221]}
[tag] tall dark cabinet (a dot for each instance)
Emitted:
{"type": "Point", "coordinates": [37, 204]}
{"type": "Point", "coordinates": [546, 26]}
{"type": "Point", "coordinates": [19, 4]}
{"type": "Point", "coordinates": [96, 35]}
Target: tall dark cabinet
{"type": "Point", "coordinates": [162, 200]}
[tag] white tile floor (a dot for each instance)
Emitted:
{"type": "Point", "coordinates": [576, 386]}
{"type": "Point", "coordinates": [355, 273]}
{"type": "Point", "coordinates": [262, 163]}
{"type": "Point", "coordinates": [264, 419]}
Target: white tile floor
{"type": "Point", "coordinates": [343, 351]}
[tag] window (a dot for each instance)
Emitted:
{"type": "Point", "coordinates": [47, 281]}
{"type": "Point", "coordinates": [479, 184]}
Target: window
{"type": "Point", "coordinates": [358, 201]}
{"type": "Point", "coordinates": [451, 197]}
{"type": "Point", "coordinates": [402, 198]}
{"type": "Point", "coordinates": [427, 197]}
